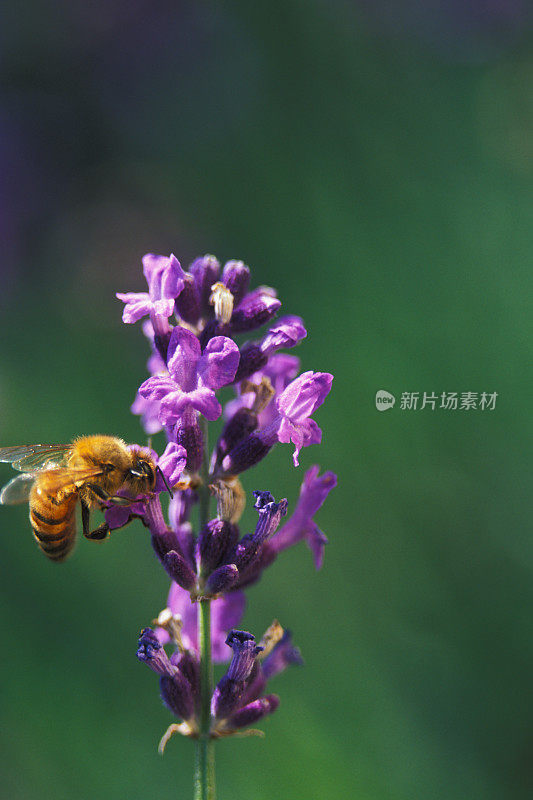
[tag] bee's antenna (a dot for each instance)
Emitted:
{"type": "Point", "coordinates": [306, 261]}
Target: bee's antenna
{"type": "Point", "coordinates": [158, 469]}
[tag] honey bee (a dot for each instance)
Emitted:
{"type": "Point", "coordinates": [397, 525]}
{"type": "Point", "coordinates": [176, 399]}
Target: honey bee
{"type": "Point", "coordinates": [91, 470]}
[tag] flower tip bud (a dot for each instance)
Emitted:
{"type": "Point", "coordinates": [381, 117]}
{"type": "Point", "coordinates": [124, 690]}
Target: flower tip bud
{"type": "Point", "coordinates": [262, 498]}
{"type": "Point", "coordinates": [222, 579]}
{"type": "Point", "coordinates": [179, 570]}
{"type": "Point", "coordinates": [239, 637]}
{"type": "Point", "coordinates": [148, 644]}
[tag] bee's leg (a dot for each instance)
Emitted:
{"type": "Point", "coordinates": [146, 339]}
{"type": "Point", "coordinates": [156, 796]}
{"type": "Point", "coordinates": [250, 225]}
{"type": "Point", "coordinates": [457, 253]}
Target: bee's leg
{"type": "Point", "coordinates": [121, 501]}
{"type": "Point", "coordinates": [99, 533]}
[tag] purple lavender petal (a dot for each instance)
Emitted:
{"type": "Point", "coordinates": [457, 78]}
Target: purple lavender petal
{"type": "Point", "coordinates": [300, 525]}
{"type": "Point", "coordinates": [137, 305]}
{"type": "Point", "coordinates": [303, 396]}
{"type": "Point", "coordinates": [117, 516]}
{"type": "Point", "coordinates": [188, 434]}
{"type": "Point", "coordinates": [280, 369]}
{"type": "Point", "coordinates": [283, 655]}
{"type": "Point", "coordinates": [317, 542]}
{"type": "Point", "coordinates": [149, 412]}
{"type": "Point", "coordinates": [179, 509]}
{"type": "Point", "coordinates": [172, 463]}
{"type": "Point", "coordinates": [173, 405]}
{"type": "Point", "coordinates": [249, 451]}
{"type": "Point", "coordinates": [270, 514]}
{"type": "Point", "coordinates": [216, 539]}
{"type": "Point", "coordinates": [219, 362]}
{"type": "Point", "coordinates": [301, 435]}
{"type": "Point", "coordinates": [156, 387]}
{"type": "Point", "coordinates": [183, 354]}
{"type": "Point", "coordinates": [252, 359]}
{"type": "Point", "coordinates": [164, 276]}
{"type": "Point", "coordinates": [204, 401]}
{"type": "Point", "coordinates": [226, 613]}
{"type": "Point", "coordinates": [165, 280]}
{"type": "Point", "coordinates": [287, 332]}
{"type": "Point", "coordinates": [296, 403]}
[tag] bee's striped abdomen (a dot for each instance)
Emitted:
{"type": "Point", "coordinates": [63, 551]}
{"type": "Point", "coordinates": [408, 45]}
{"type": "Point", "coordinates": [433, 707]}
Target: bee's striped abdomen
{"type": "Point", "coordinates": [53, 522]}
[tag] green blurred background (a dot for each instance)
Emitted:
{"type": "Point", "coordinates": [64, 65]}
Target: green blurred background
{"type": "Point", "coordinates": [374, 162]}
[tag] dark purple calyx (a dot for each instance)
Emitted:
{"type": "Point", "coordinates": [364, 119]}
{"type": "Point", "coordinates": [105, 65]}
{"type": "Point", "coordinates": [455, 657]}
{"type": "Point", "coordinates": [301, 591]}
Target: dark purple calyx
{"type": "Point", "coordinates": [216, 539]}
{"type": "Point", "coordinates": [247, 453]}
{"type": "Point", "coordinates": [252, 360]}
{"type": "Point", "coordinates": [253, 712]}
{"type": "Point", "coordinates": [241, 425]}
{"type": "Point", "coordinates": [179, 570]}
{"type": "Point", "coordinates": [222, 579]}
{"type": "Point", "coordinates": [188, 302]}
{"type": "Point", "coordinates": [189, 435]}
{"type": "Point", "coordinates": [177, 695]}
{"type": "Point", "coordinates": [257, 308]}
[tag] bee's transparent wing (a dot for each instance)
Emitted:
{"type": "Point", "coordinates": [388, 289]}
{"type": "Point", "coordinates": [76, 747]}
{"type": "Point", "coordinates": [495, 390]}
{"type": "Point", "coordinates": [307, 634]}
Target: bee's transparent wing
{"type": "Point", "coordinates": [34, 457]}
{"type": "Point", "coordinates": [58, 479]}
{"type": "Point", "coordinates": [17, 490]}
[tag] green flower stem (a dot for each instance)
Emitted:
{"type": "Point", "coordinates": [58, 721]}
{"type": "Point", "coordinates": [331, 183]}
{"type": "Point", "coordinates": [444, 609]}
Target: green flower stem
{"type": "Point", "coordinates": [204, 779]}
{"type": "Point", "coordinates": [204, 783]}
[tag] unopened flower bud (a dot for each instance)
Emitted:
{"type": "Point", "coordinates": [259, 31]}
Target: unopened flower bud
{"type": "Point", "coordinates": [255, 309]}
{"type": "Point", "coordinates": [222, 579]}
{"type": "Point", "coordinates": [236, 276]}
{"type": "Point", "coordinates": [247, 453]}
{"type": "Point", "coordinates": [179, 570]}
{"type": "Point", "coordinates": [205, 271]}
{"type": "Point", "coordinates": [253, 712]}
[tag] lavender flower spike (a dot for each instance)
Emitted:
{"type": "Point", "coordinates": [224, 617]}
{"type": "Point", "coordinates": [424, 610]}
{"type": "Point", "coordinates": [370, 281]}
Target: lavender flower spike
{"type": "Point", "coordinates": [301, 525]}
{"type": "Point", "coordinates": [193, 376]}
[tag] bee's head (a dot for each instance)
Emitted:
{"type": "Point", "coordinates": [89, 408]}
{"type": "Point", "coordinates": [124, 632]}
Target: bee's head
{"type": "Point", "coordinates": [141, 474]}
